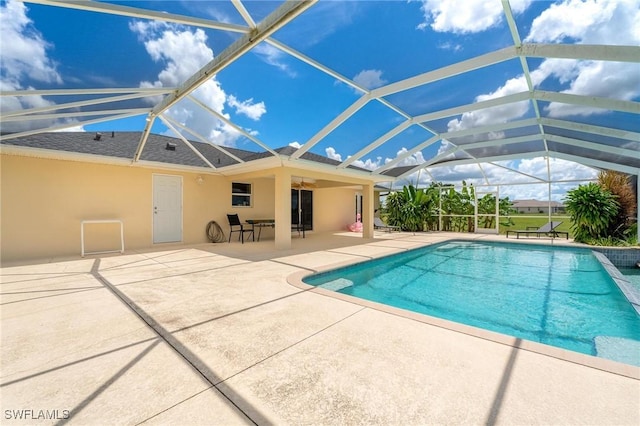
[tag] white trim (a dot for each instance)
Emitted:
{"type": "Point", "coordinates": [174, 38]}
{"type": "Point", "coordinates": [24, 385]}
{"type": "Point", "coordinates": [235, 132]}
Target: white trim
{"type": "Point", "coordinates": [250, 194]}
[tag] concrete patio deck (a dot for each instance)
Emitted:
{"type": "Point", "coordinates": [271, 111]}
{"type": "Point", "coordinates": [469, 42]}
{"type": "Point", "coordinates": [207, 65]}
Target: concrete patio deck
{"type": "Point", "coordinates": [215, 334]}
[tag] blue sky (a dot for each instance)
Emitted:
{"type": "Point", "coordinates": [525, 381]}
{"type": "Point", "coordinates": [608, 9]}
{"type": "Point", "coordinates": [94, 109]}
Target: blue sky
{"type": "Point", "coordinates": [281, 100]}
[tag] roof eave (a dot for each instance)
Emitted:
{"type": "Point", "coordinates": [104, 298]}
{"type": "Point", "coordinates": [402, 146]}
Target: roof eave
{"type": "Point", "coordinates": [51, 154]}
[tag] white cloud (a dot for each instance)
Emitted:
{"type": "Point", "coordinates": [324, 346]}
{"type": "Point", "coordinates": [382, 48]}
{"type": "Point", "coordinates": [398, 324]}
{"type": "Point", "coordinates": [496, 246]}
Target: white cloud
{"type": "Point", "coordinates": [470, 16]}
{"type": "Point", "coordinates": [615, 80]}
{"type": "Point", "coordinates": [494, 115]}
{"type": "Point", "coordinates": [252, 110]}
{"type": "Point", "coordinates": [455, 47]}
{"type": "Point", "coordinates": [445, 146]}
{"type": "Point", "coordinates": [374, 163]}
{"type": "Point", "coordinates": [183, 52]}
{"type": "Point", "coordinates": [565, 70]}
{"type": "Point", "coordinates": [514, 185]}
{"type": "Point", "coordinates": [295, 144]}
{"type": "Point", "coordinates": [72, 129]}
{"type": "Point", "coordinates": [15, 103]}
{"type": "Point", "coordinates": [412, 160]}
{"type": "Point", "coordinates": [369, 79]}
{"type": "Point", "coordinates": [601, 22]}
{"type": "Point", "coordinates": [331, 153]}
{"type": "Point", "coordinates": [24, 59]}
{"type": "Point", "coordinates": [12, 103]}
{"type": "Point", "coordinates": [454, 175]}
{"type": "Point", "coordinates": [24, 50]}
{"type": "Point", "coordinates": [419, 178]}
{"type": "Point", "coordinates": [275, 57]}
{"type": "Point", "coordinates": [568, 170]}
{"type": "Point", "coordinates": [526, 192]}
{"type": "Point", "coordinates": [524, 188]}
{"type": "Point", "coordinates": [369, 163]}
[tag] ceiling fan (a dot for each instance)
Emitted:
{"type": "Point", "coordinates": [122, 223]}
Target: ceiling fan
{"type": "Point", "coordinates": [301, 183]}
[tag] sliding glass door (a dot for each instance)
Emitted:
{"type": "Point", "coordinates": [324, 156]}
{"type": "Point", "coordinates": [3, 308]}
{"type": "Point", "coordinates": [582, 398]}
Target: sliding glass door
{"type": "Point", "coordinates": [302, 208]}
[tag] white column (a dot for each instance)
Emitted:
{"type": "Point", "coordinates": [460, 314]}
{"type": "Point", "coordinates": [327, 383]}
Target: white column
{"type": "Point", "coordinates": [367, 211]}
{"type": "Point", "coordinates": [283, 209]}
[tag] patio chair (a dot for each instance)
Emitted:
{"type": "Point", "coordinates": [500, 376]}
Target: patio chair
{"type": "Point", "coordinates": [548, 229]}
{"type": "Point", "coordinates": [234, 222]}
{"type": "Point", "coordinates": [379, 224]}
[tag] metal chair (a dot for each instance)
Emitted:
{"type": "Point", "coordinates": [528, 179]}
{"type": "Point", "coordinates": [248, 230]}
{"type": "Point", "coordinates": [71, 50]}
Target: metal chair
{"type": "Point", "coordinates": [234, 222]}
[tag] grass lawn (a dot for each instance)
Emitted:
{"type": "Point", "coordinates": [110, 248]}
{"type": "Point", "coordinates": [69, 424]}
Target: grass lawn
{"type": "Point", "coordinates": [524, 222]}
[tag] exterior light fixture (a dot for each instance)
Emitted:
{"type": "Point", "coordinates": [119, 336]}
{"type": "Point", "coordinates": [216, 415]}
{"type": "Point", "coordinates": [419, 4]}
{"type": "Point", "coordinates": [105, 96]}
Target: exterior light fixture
{"type": "Point", "coordinates": [199, 180]}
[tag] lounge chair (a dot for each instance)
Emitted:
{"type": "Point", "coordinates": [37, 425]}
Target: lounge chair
{"type": "Point", "coordinates": [234, 222]}
{"type": "Point", "coordinates": [548, 229]}
{"type": "Point", "coordinates": [379, 224]}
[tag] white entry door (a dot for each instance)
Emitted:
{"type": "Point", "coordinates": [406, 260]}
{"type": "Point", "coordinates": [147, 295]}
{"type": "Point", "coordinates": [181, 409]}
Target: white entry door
{"type": "Point", "coordinates": [167, 209]}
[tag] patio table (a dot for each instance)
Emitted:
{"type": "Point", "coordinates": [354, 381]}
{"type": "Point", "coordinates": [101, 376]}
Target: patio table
{"type": "Point", "coordinates": [271, 223]}
{"type": "Point", "coordinates": [260, 223]}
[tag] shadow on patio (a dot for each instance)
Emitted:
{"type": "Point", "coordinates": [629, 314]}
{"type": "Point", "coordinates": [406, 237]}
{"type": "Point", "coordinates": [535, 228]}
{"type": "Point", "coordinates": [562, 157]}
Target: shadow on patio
{"type": "Point", "coordinates": [214, 334]}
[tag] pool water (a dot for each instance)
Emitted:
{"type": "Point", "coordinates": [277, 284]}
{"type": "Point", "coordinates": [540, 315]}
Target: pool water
{"type": "Point", "coordinates": [556, 296]}
{"type": "Point", "coordinates": [632, 275]}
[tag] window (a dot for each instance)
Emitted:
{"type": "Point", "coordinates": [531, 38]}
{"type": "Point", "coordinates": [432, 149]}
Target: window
{"type": "Point", "coordinates": [240, 194]}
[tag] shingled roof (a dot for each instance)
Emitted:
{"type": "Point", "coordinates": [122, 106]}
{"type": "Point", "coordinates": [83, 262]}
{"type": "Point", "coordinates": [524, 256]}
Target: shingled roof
{"type": "Point", "coordinates": [124, 144]}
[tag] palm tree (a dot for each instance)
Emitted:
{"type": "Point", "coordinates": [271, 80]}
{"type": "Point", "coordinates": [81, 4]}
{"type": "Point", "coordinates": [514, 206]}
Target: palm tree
{"type": "Point", "coordinates": [619, 184]}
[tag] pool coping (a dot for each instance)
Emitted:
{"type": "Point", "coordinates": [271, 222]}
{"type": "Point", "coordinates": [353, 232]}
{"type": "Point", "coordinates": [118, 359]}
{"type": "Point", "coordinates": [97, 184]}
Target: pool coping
{"type": "Point", "coordinates": [630, 292]}
{"type": "Point", "coordinates": [590, 361]}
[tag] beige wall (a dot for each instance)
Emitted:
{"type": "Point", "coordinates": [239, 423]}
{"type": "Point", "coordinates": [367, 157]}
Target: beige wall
{"type": "Point", "coordinates": [43, 201]}
{"type": "Point", "coordinates": [334, 209]}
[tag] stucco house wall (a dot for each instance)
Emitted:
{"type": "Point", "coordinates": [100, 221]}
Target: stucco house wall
{"type": "Point", "coordinates": [43, 202]}
{"type": "Point", "coordinates": [334, 209]}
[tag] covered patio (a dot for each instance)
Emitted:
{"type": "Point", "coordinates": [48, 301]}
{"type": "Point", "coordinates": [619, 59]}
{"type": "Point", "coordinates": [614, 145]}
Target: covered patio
{"type": "Point", "coordinates": [217, 334]}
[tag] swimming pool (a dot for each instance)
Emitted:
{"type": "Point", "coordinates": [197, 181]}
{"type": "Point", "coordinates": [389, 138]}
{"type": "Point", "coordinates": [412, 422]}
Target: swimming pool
{"type": "Point", "coordinates": [553, 295]}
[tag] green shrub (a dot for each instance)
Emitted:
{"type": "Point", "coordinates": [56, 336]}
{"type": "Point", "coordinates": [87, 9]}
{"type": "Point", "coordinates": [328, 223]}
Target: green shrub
{"type": "Point", "coordinates": [631, 234]}
{"type": "Point", "coordinates": [607, 242]}
{"type": "Point", "coordinates": [410, 208]}
{"type": "Point", "coordinates": [592, 210]}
